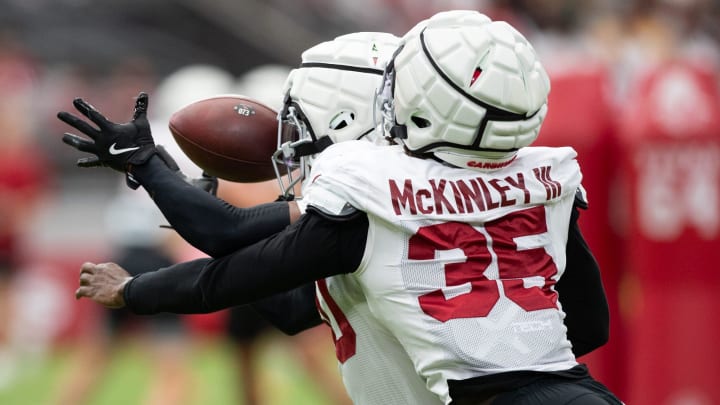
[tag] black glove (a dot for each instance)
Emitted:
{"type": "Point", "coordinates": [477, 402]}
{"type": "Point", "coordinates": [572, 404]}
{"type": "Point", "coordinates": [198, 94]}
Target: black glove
{"type": "Point", "coordinates": [114, 145]}
{"type": "Point", "coordinates": [205, 182]}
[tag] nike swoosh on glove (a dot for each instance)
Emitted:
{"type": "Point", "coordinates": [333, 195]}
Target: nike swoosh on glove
{"type": "Point", "coordinates": [114, 145]}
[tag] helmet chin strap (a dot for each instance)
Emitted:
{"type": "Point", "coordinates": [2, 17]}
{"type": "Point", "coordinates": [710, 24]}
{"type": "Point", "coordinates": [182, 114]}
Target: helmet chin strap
{"type": "Point", "coordinates": [311, 148]}
{"type": "Point", "coordinates": [399, 132]}
{"type": "Point", "coordinates": [390, 127]}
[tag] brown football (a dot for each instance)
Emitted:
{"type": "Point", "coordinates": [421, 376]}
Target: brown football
{"type": "Point", "coordinates": [229, 136]}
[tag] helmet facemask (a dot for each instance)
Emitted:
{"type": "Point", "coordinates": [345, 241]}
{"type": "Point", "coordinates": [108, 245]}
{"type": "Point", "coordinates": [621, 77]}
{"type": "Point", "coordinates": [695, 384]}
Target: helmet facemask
{"type": "Point", "coordinates": [384, 111]}
{"type": "Point", "coordinates": [297, 144]}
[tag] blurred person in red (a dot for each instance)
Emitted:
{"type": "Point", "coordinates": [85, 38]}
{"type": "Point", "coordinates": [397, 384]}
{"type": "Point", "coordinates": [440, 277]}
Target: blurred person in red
{"type": "Point", "coordinates": [22, 180]}
{"type": "Point", "coordinates": [670, 162]}
{"type": "Point", "coordinates": [581, 115]}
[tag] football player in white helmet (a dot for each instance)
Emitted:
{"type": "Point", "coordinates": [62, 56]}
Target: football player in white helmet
{"type": "Point", "coordinates": [326, 100]}
{"type": "Point", "coordinates": [470, 97]}
{"type": "Point", "coordinates": [470, 93]}
{"type": "Point", "coordinates": [462, 267]}
{"type": "Point", "coordinates": [329, 99]}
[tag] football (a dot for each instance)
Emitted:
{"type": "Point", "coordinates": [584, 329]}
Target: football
{"type": "Point", "coordinates": [231, 137]}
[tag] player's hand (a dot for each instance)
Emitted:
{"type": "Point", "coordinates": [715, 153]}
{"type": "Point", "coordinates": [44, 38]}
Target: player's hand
{"type": "Point", "coordinates": [206, 182]}
{"type": "Point", "coordinates": [114, 145]}
{"type": "Point", "coordinates": [103, 283]}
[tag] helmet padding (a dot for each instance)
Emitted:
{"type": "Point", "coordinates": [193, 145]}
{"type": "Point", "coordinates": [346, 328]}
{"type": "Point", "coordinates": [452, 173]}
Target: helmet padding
{"type": "Point", "coordinates": [468, 90]}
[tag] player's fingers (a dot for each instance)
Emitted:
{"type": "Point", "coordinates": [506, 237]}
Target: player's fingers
{"type": "Point", "coordinates": [88, 267]}
{"type": "Point", "coordinates": [89, 111]}
{"type": "Point", "coordinates": [89, 162]}
{"type": "Point", "coordinates": [78, 123]}
{"type": "Point", "coordinates": [141, 106]}
{"type": "Point", "coordinates": [85, 279]}
{"type": "Point", "coordinates": [79, 143]}
{"type": "Point", "coordinates": [83, 291]}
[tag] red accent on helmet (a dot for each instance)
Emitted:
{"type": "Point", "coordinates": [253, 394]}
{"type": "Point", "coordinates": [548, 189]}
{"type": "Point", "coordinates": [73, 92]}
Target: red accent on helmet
{"type": "Point", "coordinates": [476, 74]}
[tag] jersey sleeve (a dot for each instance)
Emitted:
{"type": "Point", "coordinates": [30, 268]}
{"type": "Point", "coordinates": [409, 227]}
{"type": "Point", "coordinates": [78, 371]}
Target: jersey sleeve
{"type": "Point", "coordinates": [338, 186]}
{"type": "Point", "coordinates": [310, 249]}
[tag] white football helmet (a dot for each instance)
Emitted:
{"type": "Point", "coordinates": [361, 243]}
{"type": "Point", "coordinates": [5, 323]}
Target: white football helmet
{"type": "Point", "coordinates": [329, 99]}
{"type": "Point", "coordinates": [465, 90]}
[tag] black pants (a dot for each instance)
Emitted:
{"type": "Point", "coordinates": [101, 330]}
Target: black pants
{"type": "Point", "coordinates": [566, 387]}
{"type": "Point", "coordinates": [553, 391]}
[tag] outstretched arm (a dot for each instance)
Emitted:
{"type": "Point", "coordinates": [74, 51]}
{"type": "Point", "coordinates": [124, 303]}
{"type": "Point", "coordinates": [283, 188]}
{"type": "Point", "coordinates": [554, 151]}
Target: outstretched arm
{"type": "Point", "coordinates": [291, 311]}
{"type": "Point", "coordinates": [312, 248]}
{"type": "Point", "coordinates": [208, 223]}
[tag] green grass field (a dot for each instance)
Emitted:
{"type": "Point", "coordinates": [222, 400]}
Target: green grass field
{"type": "Point", "coordinates": [214, 378]}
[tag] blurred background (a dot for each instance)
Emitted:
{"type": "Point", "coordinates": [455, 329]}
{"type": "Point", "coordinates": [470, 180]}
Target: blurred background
{"type": "Point", "coordinates": [635, 89]}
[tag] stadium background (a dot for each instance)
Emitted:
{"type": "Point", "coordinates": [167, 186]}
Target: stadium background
{"type": "Point", "coordinates": [636, 91]}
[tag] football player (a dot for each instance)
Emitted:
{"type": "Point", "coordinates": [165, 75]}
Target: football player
{"type": "Point", "coordinates": [462, 272]}
{"type": "Point", "coordinates": [346, 70]}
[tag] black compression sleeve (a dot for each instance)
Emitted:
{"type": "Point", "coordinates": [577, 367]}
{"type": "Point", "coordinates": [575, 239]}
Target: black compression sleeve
{"type": "Point", "coordinates": [168, 287]}
{"type": "Point", "coordinates": [310, 249]}
{"type": "Point", "coordinates": [205, 221]}
{"type": "Point", "coordinates": [292, 312]}
{"type": "Point", "coordinates": [582, 295]}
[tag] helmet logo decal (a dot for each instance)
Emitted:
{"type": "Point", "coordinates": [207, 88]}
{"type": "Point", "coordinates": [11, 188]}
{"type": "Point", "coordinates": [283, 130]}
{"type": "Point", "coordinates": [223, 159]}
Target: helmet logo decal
{"type": "Point", "coordinates": [374, 50]}
{"type": "Point", "coordinates": [475, 75]}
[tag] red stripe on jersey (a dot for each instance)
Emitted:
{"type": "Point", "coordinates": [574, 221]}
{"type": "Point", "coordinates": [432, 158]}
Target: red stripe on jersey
{"type": "Point", "coordinates": [345, 345]}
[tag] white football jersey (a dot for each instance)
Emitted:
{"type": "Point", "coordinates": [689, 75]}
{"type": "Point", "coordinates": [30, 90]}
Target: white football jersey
{"type": "Point", "coordinates": [460, 265]}
{"type": "Point", "coordinates": [375, 368]}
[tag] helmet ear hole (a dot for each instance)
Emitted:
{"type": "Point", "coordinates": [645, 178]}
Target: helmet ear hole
{"type": "Point", "coordinates": [342, 120]}
{"type": "Point", "coordinates": [420, 122]}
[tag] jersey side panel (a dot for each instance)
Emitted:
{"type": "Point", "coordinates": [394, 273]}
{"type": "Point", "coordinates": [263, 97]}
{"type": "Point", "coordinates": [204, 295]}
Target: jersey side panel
{"type": "Point", "coordinates": [374, 366]}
